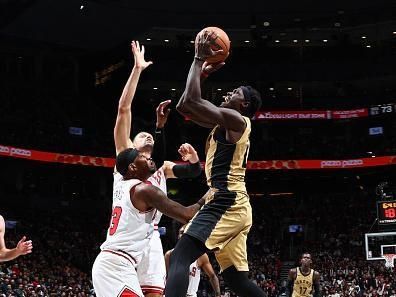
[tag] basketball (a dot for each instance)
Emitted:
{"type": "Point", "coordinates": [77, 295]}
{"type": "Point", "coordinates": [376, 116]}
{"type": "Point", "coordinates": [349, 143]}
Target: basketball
{"type": "Point", "coordinates": [222, 42]}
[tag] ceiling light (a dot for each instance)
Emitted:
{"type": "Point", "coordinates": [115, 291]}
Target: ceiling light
{"type": "Point", "coordinates": [266, 24]}
{"type": "Point", "coordinates": [271, 89]}
{"type": "Point", "coordinates": [166, 40]}
{"type": "Point", "coordinates": [191, 41]}
{"type": "Point", "coordinates": [325, 40]}
{"type": "Point", "coordinates": [394, 32]}
{"type": "Point", "coordinates": [289, 89]}
{"type": "Point", "coordinates": [155, 88]}
{"type": "Point", "coordinates": [247, 41]}
{"type": "Point", "coordinates": [81, 7]}
{"type": "Point", "coordinates": [368, 46]}
{"type": "Point", "coordinates": [148, 39]}
{"type": "Point", "coordinates": [307, 40]}
{"type": "Point", "coordinates": [295, 40]}
{"type": "Point", "coordinates": [218, 89]}
{"type": "Point", "coordinates": [277, 41]}
{"type": "Point", "coordinates": [364, 37]}
{"type": "Point", "coordinates": [173, 89]}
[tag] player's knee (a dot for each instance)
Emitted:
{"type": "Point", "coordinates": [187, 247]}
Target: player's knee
{"type": "Point", "coordinates": [233, 276]}
{"type": "Point", "coordinates": [153, 295]}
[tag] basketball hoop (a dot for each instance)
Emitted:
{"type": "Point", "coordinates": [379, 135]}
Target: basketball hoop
{"type": "Point", "coordinates": [389, 258]}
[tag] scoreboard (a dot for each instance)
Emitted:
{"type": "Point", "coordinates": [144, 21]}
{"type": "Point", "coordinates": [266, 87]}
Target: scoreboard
{"type": "Point", "coordinates": [386, 212]}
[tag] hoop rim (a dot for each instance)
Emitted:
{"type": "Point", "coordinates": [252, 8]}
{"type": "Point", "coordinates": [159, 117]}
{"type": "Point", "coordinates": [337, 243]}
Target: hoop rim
{"type": "Point", "coordinates": [389, 259]}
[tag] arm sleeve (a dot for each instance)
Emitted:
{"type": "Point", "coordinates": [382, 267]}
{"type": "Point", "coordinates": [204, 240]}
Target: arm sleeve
{"type": "Point", "coordinates": [187, 170]}
{"type": "Point", "coordinates": [159, 152]}
{"type": "Point", "coordinates": [317, 290]}
{"type": "Point", "coordinates": [289, 287]}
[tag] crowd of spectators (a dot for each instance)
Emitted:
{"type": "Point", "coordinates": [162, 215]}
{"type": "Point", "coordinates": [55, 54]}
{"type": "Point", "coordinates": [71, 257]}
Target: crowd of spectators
{"type": "Point", "coordinates": [66, 244]}
{"type": "Point", "coordinates": [48, 271]}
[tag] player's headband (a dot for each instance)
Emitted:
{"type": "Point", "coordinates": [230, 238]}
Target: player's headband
{"type": "Point", "coordinates": [125, 158]}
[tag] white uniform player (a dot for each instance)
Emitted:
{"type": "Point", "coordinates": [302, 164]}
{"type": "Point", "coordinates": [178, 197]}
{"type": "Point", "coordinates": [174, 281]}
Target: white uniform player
{"type": "Point", "coordinates": [202, 263]}
{"type": "Point", "coordinates": [114, 270]}
{"type": "Point", "coordinates": [193, 280]}
{"type": "Point", "coordinates": [151, 270]}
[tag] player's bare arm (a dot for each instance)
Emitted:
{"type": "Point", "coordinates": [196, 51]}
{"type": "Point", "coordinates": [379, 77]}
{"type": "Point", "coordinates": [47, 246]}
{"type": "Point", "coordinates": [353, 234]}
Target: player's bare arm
{"type": "Point", "coordinates": [199, 109]}
{"type": "Point", "coordinates": [122, 128]}
{"type": "Point", "coordinates": [145, 197]}
{"type": "Point", "coordinates": [167, 256]}
{"type": "Point", "coordinates": [207, 69]}
{"type": "Point", "coordinates": [204, 264]}
{"type": "Point", "coordinates": [290, 281]}
{"type": "Point", "coordinates": [23, 247]}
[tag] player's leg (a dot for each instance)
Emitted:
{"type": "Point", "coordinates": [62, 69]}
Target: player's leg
{"type": "Point", "coordinates": [233, 259]}
{"type": "Point", "coordinates": [212, 228]}
{"type": "Point", "coordinates": [152, 294]}
{"type": "Point", "coordinates": [241, 284]}
{"type": "Point", "coordinates": [112, 275]}
{"type": "Point", "coordinates": [151, 270]}
{"type": "Point", "coordinates": [186, 251]}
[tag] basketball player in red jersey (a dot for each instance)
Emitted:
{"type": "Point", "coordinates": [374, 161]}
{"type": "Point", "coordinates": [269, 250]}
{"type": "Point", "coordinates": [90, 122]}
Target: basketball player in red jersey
{"type": "Point", "coordinates": [202, 263]}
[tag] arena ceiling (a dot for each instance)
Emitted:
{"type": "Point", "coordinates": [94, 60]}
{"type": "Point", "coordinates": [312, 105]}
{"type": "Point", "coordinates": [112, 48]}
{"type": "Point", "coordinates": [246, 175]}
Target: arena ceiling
{"type": "Point", "coordinates": [102, 24]}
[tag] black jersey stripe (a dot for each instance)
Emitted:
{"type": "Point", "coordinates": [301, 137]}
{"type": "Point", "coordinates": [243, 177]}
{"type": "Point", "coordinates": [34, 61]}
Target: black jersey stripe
{"type": "Point", "coordinates": [221, 165]}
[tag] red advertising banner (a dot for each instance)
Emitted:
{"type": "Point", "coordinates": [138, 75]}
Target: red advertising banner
{"type": "Point", "coordinates": [349, 114]}
{"type": "Point", "coordinates": [292, 115]}
{"type": "Point", "coordinates": [9, 151]}
{"type": "Point", "coordinates": [311, 114]}
{"type": "Point", "coordinates": [15, 152]}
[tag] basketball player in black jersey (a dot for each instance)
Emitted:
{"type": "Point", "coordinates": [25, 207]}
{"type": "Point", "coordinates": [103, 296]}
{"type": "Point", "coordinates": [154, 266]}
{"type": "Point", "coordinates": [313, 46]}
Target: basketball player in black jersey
{"type": "Point", "coordinates": [223, 223]}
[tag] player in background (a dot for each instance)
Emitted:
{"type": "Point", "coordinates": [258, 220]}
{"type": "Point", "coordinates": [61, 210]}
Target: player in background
{"type": "Point", "coordinates": [202, 263]}
{"type": "Point", "coordinates": [303, 281]}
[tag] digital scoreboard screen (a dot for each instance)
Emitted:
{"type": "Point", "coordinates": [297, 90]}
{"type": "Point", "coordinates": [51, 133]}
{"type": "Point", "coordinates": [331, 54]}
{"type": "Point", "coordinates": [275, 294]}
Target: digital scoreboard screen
{"type": "Point", "coordinates": [386, 212]}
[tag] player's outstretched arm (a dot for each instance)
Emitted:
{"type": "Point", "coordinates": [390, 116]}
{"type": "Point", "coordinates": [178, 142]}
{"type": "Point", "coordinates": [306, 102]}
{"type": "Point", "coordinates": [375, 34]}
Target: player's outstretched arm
{"type": "Point", "coordinates": [193, 105]}
{"type": "Point", "coordinates": [23, 247]}
{"type": "Point", "coordinates": [122, 128]}
{"type": "Point", "coordinates": [159, 151]}
{"type": "Point", "coordinates": [147, 196]}
{"type": "Point", "coordinates": [205, 265]}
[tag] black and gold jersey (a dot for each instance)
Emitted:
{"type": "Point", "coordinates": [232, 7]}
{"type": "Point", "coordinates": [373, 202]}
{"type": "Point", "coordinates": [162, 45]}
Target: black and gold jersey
{"type": "Point", "coordinates": [225, 165]}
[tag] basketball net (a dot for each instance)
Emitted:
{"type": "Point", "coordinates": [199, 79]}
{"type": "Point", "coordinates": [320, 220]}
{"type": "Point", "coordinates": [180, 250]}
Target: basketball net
{"type": "Point", "coordinates": [389, 260]}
